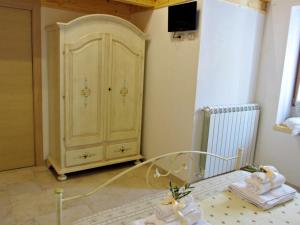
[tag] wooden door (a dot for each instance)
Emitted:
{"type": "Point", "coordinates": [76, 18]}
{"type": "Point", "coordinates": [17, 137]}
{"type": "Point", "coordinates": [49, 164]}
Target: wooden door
{"type": "Point", "coordinates": [16, 89]}
{"type": "Point", "coordinates": [125, 90]}
{"type": "Point", "coordinates": [84, 94]}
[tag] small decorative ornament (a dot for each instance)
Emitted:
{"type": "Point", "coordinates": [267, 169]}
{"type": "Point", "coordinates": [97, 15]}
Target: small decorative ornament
{"type": "Point", "coordinates": [157, 173]}
{"type": "Point", "coordinates": [85, 92]}
{"type": "Point", "coordinates": [173, 198]}
{"type": "Point", "coordinates": [124, 91]}
{"type": "Point", "coordinates": [175, 193]}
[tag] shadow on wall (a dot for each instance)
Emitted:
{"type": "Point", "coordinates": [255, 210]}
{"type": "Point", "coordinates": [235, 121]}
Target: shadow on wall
{"type": "Point", "coordinates": [141, 20]}
{"type": "Point", "coordinates": [198, 122]}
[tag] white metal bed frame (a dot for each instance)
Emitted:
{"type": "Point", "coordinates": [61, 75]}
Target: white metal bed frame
{"type": "Point", "coordinates": [60, 199]}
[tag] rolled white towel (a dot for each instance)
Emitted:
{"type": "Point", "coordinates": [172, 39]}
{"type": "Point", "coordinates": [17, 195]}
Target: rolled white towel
{"type": "Point", "coordinates": [264, 177]}
{"type": "Point", "coordinates": [163, 211]}
{"type": "Point", "coordinates": [272, 168]}
{"type": "Point", "coordinates": [166, 213]}
{"type": "Point", "coordinates": [260, 188]}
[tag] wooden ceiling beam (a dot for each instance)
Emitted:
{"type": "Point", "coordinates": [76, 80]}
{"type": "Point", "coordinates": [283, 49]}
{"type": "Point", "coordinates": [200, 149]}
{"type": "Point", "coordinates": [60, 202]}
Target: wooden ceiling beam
{"type": "Point", "coordinates": [165, 3]}
{"type": "Point", "coordinates": [124, 8]}
{"type": "Point", "coordinates": [94, 6]}
{"type": "Point", "coordinates": [142, 3]}
{"type": "Point", "coordinates": [152, 3]}
{"type": "Point", "coordinates": [258, 5]}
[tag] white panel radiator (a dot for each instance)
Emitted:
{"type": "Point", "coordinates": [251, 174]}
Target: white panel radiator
{"type": "Point", "coordinates": [225, 130]}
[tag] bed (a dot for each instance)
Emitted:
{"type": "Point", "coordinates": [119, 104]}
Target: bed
{"type": "Point", "coordinates": [219, 205]}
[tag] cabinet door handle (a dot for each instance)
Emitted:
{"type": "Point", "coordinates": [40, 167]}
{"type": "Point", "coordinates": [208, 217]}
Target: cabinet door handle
{"type": "Point", "coordinates": [109, 89]}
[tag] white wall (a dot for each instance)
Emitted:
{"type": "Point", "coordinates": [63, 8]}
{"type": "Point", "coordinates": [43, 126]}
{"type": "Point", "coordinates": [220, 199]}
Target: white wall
{"type": "Point", "coordinates": [225, 73]}
{"type": "Point", "coordinates": [50, 16]}
{"type": "Point", "coordinates": [229, 53]}
{"type": "Point", "coordinates": [274, 147]}
{"type": "Point", "coordinates": [170, 84]}
{"type": "Point", "coordinates": [229, 57]}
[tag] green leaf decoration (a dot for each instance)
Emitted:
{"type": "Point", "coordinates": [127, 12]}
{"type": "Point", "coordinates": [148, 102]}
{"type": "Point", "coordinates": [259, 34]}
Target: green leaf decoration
{"type": "Point", "coordinates": [253, 169]}
{"type": "Point", "coordinates": [179, 193]}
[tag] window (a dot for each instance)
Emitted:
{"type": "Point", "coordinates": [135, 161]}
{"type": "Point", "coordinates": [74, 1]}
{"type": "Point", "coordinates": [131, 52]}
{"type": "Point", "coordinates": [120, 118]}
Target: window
{"type": "Point", "coordinates": [288, 114]}
{"type": "Point", "coordinates": [295, 110]}
{"type": "Point", "coordinates": [296, 97]}
{"type": "Point", "coordinates": [289, 100]}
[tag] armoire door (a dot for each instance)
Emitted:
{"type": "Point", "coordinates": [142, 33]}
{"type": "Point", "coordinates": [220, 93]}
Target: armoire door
{"type": "Point", "coordinates": [16, 89]}
{"type": "Point", "coordinates": [84, 90]}
{"type": "Point", "coordinates": [125, 90]}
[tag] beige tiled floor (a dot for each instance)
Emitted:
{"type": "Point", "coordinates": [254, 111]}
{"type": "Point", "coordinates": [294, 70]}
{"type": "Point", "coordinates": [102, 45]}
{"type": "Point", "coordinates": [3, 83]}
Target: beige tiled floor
{"type": "Point", "coordinates": [27, 198]}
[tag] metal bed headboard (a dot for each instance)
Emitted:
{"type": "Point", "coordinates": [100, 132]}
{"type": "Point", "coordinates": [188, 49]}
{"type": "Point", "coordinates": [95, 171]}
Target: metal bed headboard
{"type": "Point", "coordinates": [60, 199]}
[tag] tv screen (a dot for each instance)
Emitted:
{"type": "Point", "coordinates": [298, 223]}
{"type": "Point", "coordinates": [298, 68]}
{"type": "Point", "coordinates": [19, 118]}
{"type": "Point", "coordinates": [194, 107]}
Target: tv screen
{"type": "Point", "coordinates": [182, 17]}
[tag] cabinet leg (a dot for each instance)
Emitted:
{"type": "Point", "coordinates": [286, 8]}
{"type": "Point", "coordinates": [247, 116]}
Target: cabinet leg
{"type": "Point", "coordinates": [48, 164]}
{"type": "Point", "coordinates": [61, 177]}
{"type": "Point", "coordinates": [138, 161]}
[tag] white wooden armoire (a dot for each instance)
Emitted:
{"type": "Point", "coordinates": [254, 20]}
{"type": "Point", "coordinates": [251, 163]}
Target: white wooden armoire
{"type": "Point", "coordinates": [95, 72]}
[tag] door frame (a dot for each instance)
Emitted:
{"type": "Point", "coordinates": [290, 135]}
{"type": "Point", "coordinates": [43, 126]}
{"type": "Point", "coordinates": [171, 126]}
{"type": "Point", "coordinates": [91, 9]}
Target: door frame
{"type": "Point", "coordinates": [35, 7]}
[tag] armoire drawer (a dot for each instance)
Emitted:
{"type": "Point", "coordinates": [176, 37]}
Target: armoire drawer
{"type": "Point", "coordinates": [121, 150]}
{"type": "Point", "coordinates": [82, 156]}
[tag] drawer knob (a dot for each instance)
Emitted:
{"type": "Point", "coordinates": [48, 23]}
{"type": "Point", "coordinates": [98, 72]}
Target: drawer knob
{"type": "Point", "coordinates": [86, 155]}
{"type": "Point", "coordinates": [122, 149]}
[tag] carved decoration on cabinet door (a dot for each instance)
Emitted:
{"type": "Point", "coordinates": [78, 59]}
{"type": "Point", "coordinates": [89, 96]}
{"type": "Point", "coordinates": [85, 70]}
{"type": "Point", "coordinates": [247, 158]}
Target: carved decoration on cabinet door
{"type": "Point", "coordinates": [84, 63]}
{"type": "Point", "coordinates": [124, 91]}
{"type": "Point", "coordinates": [85, 92]}
{"type": "Point", "coordinates": [126, 77]}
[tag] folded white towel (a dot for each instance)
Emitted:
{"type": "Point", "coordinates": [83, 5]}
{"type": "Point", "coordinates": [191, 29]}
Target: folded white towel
{"type": "Point", "coordinates": [192, 219]}
{"type": "Point", "coordinates": [294, 124]}
{"type": "Point", "coordinates": [265, 201]}
{"type": "Point", "coordinates": [260, 188]}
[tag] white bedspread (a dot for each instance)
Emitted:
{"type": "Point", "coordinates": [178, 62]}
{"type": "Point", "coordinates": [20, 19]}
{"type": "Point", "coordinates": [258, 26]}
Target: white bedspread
{"type": "Point", "coordinates": [218, 204]}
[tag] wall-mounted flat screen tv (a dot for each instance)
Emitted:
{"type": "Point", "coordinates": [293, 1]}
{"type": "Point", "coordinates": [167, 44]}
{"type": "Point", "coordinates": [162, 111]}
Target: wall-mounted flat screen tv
{"type": "Point", "coordinates": [182, 17]}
